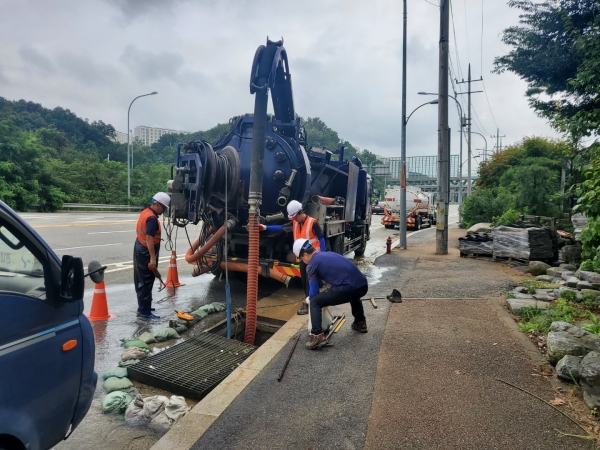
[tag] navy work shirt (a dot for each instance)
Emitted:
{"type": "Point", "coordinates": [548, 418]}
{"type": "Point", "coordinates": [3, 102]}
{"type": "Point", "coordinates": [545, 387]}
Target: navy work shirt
{"type": "Point", "coordinates": [336, 270]}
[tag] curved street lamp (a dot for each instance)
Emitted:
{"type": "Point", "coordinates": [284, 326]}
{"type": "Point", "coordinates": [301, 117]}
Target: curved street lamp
{"type": "Point", "coordinates": [128, 139]}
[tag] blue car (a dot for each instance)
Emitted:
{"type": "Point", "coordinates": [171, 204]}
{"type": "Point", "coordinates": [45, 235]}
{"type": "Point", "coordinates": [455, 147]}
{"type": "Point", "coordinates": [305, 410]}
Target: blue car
{"type": "Point", "coordinates": [47, 377]}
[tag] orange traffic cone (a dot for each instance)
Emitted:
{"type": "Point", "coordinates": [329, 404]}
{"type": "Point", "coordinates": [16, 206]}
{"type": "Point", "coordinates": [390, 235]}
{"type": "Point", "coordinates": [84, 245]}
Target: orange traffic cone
{"type": "Point", "coordinates": [99, 309]}
{"type": "Point", "coordinates": [172, 276]}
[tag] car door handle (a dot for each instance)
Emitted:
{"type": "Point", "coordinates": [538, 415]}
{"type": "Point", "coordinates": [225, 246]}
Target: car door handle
{"type": "Point", "coordinates": [69, 345]}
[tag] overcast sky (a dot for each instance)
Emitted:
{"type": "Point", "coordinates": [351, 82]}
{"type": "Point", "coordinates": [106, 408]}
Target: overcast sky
{"type": "Point", "coordinates": [94, 56]}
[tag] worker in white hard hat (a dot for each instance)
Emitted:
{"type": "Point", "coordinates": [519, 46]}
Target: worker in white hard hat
{"type": "Point", "coordinates": [302, 226]}
{"type": "Point", "coordinates": [347, 284]}
{"type": "Point", "coordinates": [145, 253]}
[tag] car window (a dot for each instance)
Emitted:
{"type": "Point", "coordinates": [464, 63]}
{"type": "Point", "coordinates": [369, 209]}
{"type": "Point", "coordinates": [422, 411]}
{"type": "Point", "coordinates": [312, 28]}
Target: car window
{"type": "Point", "coordinates": [20, 270]}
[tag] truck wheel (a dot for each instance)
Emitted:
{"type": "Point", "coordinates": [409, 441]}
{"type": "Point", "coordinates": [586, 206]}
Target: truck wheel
{"type": "Point", "coordinates": [418, 223]}
{"type": "Point", "coordinates": [360, 251]}
{"type": "Point", "coordinates": [389, 227]}
{"type": "Point", "coordinates": [337, 244]}
{"type": "Point", "coordinates": [430, 222]}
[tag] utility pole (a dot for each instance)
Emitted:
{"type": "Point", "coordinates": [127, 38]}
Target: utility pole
{"type": "Point", "coordinates": [403, 141]}
{"type": "Point", "coordinates": [469, 92]}
{"type": "Point", "coordinates": [443, 172]}
{"type": "Point", "coordinates": [498, 141]}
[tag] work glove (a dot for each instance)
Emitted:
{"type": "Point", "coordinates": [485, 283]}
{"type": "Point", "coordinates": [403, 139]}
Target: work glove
{"type": "Point", "coordinates": [152, 264]}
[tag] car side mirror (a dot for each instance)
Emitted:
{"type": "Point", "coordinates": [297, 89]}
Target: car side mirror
{"type": "Point", "coordinates": [71, 279]}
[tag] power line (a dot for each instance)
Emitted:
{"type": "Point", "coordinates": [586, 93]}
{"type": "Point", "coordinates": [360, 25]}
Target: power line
{"type": "Point", "coordinates": [481, 46]}
{"type": "Point", "coordinates": [427, 1]}
{"type": "Point", "coordinates": [467, 30]}
{"type": "Point", "coordinates": [459, 72]}
{"type": "Point", "coordinates": [489, 106]}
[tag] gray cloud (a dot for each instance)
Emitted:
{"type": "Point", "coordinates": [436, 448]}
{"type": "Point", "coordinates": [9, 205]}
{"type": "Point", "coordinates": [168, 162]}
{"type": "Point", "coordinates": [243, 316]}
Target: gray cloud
{"type": "Point", "coordinates": [132, 9]}
{"type": "Point", "coordinates": [86, 70]}
{"type": "Point", "coordinates": [36, 60]}
{"type": "Point", "coordinates": [3, 78]}
{"type": "Point", "coordinates": [148, 66]}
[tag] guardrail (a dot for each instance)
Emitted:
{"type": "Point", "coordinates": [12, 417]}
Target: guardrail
{"type": "Point", "coordinates": [91, 206]}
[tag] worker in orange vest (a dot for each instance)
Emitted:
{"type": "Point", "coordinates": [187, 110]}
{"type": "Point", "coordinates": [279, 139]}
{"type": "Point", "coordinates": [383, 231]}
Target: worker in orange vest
{"type": "Point", "coordinates": [303, 227]}
{"type": "Point", "coordinates": [145, 253]}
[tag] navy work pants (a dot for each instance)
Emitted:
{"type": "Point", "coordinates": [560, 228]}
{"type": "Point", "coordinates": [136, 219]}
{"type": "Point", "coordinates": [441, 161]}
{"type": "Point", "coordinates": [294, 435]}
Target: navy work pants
{"type": "Point", "coordinates": [334, 296]}
{"type": "Point", "coordinates": [143, 277]}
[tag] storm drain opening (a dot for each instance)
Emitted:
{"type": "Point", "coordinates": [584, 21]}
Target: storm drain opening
{"type": "Point", "coordinates": [196, 366]}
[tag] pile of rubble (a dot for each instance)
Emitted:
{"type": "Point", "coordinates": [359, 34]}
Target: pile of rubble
{"type": "Point", "coordinates": [564, 277]}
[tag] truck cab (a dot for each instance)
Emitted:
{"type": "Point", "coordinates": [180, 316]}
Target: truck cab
{"type": "Point", "coordinates": [47, 377]}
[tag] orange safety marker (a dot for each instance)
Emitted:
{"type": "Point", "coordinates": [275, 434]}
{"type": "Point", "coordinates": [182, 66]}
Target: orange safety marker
{"type": "Point", "coordinates": [99, 310]}
{"type": "Point", "coordinates": [172, 275]}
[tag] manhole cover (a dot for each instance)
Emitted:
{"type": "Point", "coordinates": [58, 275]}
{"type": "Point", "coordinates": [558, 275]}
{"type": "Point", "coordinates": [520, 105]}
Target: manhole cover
{"type": "Point", "coordinates": [194, 367]}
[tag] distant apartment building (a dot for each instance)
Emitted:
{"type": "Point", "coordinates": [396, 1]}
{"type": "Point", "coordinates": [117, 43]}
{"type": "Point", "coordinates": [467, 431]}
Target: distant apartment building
{"type": "Point", "coordinates": [120, 137]}
{"type": "Point", "coordinates": [149, 135]}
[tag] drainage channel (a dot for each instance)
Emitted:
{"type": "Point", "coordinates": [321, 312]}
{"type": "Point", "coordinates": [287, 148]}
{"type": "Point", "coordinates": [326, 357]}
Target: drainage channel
{"type": "Point", "coordinates": [196, 366]}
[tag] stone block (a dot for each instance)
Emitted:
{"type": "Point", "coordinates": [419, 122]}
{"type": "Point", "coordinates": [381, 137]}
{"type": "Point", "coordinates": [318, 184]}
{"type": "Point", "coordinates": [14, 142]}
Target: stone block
{"type": "Point", "coordinates": [554, 271]}
{"type": "Point", "coordinates": [572, 282]}
{"type": "Point", "coordinates": [592, 277]}
{"type": "Point", "coordinates": [516, 304]}
{"type": "Point", "coordinates": [568, 267]}
{"type": "Point", "coordinates": [566, 275]}
{"type": "Point", "coordinates": [544, 278]}
{"type": "Point", "coordinates": [538, 268]}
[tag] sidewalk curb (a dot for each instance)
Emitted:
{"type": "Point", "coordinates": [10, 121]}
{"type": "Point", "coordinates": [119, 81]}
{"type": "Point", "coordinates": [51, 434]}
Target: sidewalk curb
{"type": "Point", "coordinates": [194, 424]}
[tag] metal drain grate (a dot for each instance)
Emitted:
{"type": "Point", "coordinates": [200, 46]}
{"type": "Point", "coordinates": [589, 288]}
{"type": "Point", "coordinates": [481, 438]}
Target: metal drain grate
{"type": "Point", "coordinates": [194, 367]}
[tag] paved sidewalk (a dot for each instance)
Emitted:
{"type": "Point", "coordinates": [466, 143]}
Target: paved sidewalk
{"type": "Point", "coordinates": [424, 377]}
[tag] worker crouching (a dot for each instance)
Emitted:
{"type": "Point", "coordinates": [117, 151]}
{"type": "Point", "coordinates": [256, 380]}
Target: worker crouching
{"type": "Point", "coordinates": [347, 285]}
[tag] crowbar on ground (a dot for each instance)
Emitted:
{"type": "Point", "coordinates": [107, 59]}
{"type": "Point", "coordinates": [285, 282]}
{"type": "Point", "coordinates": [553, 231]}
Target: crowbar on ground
{"type": "Point", "coordinates": [287, 361]}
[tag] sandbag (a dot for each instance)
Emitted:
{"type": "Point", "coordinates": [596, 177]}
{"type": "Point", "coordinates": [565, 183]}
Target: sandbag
{"type": "Point", "coordinates": [134, 409]}
{"type": "Point", "coordinates": [133, 353]}
{"type": "Point", "coordinates": [166, 334]}
{"type": "Point", "coordinates": [129, 362]}
{"type": "Point", "coordinates": [143, 410]}
{"type": "Point", "coordinates": [210, 308]}
{"type": "Point", "coordinates": [117, 384]}
{"type": "Point", "coordinates": [174, 410]}
{"type": "Point", "coordinates": [147, 337]}
{"type": "Point", "coordinates": [118, 372]}
{"type": "Point", "coordinates": [115, 402]}
{"type": "Point", "coordinates": [136, 343]}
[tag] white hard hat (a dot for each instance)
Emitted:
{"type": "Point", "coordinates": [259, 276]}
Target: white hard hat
{"type": "Point", "coordinates": [299, 245]}
{"type": "Point", "coordinates": [293, 208]}
{"type": "Point", "coordinates": [162, 198]}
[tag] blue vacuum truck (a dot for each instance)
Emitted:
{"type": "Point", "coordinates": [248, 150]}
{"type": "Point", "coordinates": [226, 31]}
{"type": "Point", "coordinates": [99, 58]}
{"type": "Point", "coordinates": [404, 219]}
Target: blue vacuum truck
{"type": "Point", "coordinates": [249, 176]}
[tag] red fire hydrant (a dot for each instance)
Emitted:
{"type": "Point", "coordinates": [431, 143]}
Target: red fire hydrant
{"type": "Point", "coordinates": [388, 243]}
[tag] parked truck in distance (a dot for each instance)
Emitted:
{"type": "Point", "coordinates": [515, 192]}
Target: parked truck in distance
{"type": "Point", "coordinates": [419, 210]}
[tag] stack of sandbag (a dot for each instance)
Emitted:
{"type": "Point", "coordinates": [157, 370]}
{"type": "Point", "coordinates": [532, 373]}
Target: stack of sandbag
{"type": "Point", "coordinates": [476, 243]}
{"type": "Point", "coordinates": [157, 411]}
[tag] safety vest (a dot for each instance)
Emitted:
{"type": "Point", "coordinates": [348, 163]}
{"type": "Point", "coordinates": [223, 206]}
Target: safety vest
{"type": "Point", "coordinates": [141, 227]}
{"type": "Point", "coordinates": [305, 231]}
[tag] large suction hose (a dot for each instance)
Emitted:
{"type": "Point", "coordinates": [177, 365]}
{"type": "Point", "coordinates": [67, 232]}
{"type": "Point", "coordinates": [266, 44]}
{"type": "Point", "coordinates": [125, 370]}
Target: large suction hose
{"type": "Point", "coordinates": [193, 254]}
{"type": "Point", "coordinates": [236, 266]}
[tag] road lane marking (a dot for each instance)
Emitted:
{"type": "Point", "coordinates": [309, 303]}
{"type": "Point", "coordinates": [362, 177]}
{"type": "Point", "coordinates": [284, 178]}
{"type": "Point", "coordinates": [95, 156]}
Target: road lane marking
{"type": "Point", "coordinates": [87, 246]}
{"type": "Point", "coordinates": [111, 232]}
{"type": "Point", "coordinates": [97, 224]}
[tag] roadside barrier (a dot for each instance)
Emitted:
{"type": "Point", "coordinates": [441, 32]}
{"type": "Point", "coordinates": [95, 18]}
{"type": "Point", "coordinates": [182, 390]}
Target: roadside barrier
{"type": "Point", "coordinates": [172, 275]}
{"type": "Point", "coordinates": [99, 310]}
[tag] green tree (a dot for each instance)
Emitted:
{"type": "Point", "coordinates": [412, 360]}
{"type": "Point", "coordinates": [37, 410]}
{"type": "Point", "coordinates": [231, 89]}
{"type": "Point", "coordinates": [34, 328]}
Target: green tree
{"type": "Point", "coordinates": [556, 50]}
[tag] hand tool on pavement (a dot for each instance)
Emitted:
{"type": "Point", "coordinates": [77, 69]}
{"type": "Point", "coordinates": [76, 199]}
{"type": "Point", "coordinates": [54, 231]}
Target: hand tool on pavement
{"type": "Point", "coordinates": [287, 361]}
{"type": "Point", "coordinates": [395, 297]}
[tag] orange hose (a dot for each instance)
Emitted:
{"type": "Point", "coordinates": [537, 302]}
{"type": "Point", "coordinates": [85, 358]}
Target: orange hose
{"type": "Point", "coordinates": [191, 256]}
{"type": "Point", "coordinates": [323, 200]}
{"type": "Point", "coordinates": [235, 266]}
{"type": "Point", "coordinates": [252, 286]}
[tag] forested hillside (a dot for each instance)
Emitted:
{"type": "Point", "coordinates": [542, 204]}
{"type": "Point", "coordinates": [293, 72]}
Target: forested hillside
{"type": "Point", "coordinates": [50, 157]}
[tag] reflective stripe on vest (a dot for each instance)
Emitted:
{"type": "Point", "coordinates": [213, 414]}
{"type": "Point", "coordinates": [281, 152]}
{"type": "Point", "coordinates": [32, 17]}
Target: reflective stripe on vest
{"type": "Point", "coordinates": [305, 231]}
{"type": "Point", "coordinates": [141, 227]}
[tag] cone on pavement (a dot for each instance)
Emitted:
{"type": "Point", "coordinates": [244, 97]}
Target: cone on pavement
{"type": "Point", "coordinates": [99, 310]}
{"type": "Point", "coordinates": [172, 275]}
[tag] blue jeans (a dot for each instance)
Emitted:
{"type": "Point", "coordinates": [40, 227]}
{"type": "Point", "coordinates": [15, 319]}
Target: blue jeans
{"type": "Point", "coordinates": [335, 296]}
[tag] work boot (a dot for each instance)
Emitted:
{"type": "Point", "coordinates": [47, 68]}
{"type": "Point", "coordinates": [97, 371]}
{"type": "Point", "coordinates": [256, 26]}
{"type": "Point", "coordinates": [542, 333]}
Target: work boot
{"type": "Point", "coordinates": [148, 316]}
{"type": "Point", "coordinates": [360, 326]}
{"type": "Point", "coordinates": [315, 341]}
{"type": "Point", "coordinates": [303, 309]}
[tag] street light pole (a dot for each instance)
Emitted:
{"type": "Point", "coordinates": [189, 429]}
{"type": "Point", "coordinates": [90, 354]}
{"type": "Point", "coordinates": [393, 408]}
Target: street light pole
{"type": "Point", "coordinates": [128, 144]}
{"type": "Point", "coordinates": [403, 146]}
{"type": "Point", "coordinates": [460, 177]}
{"type": "Point", "coordinates": [486, 146]}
